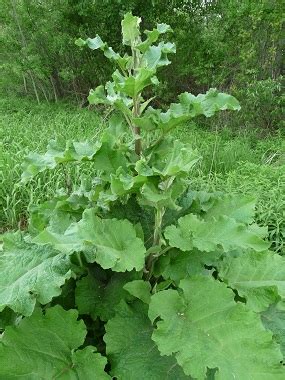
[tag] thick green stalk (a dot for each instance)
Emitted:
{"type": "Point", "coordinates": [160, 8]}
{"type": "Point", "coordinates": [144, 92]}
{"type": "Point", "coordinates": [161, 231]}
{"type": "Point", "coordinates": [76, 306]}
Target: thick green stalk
{"type": "Point", "coordinates": [157, 225]}
{"type": "Point", "coordinates": [136, 104]}
{"type": "Point", "coordinates": [159, 212]}
{"type": "Point", "coordinates": [137, 132]}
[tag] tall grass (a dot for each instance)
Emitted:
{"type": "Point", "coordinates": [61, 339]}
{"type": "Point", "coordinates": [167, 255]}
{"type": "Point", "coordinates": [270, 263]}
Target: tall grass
{"type": "Point", "coordinates": [26, 126]}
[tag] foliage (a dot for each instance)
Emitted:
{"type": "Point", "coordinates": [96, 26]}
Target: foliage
{"type": "Point", "coordinates": [47, 345]}
{"type": "Point", "coordinates": [163, 278]}
{"type": "Point", "coordinates": [264, 182]}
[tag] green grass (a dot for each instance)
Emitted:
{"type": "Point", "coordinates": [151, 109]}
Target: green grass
{"type": "Point", "coordinates": [238, 162]}
{"type": "Point", "coordinates": [26, 126]}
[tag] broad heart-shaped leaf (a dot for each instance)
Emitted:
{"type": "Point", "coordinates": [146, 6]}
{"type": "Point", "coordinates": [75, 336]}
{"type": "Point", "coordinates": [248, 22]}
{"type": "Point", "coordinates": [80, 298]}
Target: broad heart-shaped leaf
{"type": "Point", "coordinates": [204, 327]}
{"type": "Point", "coordinates": [172, 157]}
{"type": "Point", "coordinates": [46, 347]}
{"type": "Point", "coordinates": [189, 106]}
{"type": "Point", "coordinates": [240, 208]}
{"type": "Point", "coordinates": [30, 273]}
{"type": "Point", "coordinates": [99, 298]}
{"type": "Point", "coordinates": [57, 154]}
{"type": "Point", "coordinates": [130, 29]}
{"type": "Point", "coordinates": [258, 277]}
{"type": "Point", "coordinates": [114, 243]}
{"type": "Point", "coordinates": [132, 353]}
{"type": "Point", "coordinates": [213, 234]}
{"type": "Point", "coordinates": [156, 56]}
{"type": "Point", "coordinates": [274, 319]}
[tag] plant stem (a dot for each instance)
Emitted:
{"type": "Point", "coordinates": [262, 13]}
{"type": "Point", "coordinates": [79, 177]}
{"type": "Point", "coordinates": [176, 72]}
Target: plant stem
{"type": "Point", "coordinates": [156, 239]}
{"type": "Point", "coordinates": [79, 259]}
{"type": "Point", "coordinates": [136, 104]}
{"type": "Point", "coordinates": [157, 225]}
{"type": "Point", "coordinates": [137, 131]}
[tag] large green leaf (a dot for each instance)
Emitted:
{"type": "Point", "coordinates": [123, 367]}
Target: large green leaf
{"type": "Point", "coordinates": [58, 213]}
{"type": "Point", "coordinates": [172, 157]}
{"type": "Point", "coordinates": [114, 243]}
{"type": "Point", "coordinates": [132, 353]}
{"type": "Point", "coordinates": [189, 106]}
{"type": "Point", "coordinates": [111, 243]}
{"type": "Point", "coordinates": [66, 242]}
{"type": "Point", "coordinates": [213, 234]}
{"type": "Point", "coordinates": [97, 43]}
{"type": "Point", "coordinates": [204, 327]}
{"type": "Point", "coordinates": [108, 160]}
{"type": "Point", "coordinates": [124, 182]}
{"type": "Point", "coordinates": [111, 97]}
{"type": "Point", "coordinates": [57, 154]}
{"type": "Point", "coordinates": [258, 277]}
{"type": "Point", "coordinates": [177, 265]}
{"type": "Point", "coordinates": [133, 85]}
{"type": "Point", "coordinates": [156, 56]}
{"type": "Point", "coordinates": [30, 273]}
{"type": "Point", "coordinates": [130, 29]}
{"type": "Point", "coordinates": [98, 96]}
{"type": "Point", "coordinates": [140, 289]}
{"type": "Point", "coordinates": [46, 347]}
{"type": "Point", "coordinates": [274, 319]}
{"type": "Point", "coordinates": [162, 196]}
{"type": "Point", "coordinates": [152, 36]}
{"type": "Point", "coordinates": [99, 298]}
{"type": "Point", "coordinates": [240, 208]}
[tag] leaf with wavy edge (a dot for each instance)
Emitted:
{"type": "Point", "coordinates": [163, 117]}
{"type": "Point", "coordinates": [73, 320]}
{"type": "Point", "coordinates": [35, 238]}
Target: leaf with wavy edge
{"type": "Point", "coordinates": [258, 277]}
{"type": "Point", "coordinates": [157, 56]}
{"type": "Point", "coordinates": [130, 29]}
{"type": "Point", "coordinates": [172, 157]}
{"type": "Point", "coordinates": [189, 106]}
{"type": "Point", "coordinates": [240, 208]}
{"type": "Point", "coordinates": [112, 243]}
{"type": "Point", "coordinates": [97, 43]}
{"type": "Point", "coordinates": [56, 154]}
{"type": "Point", "coordinates": [152, 36]}
{"type": "Point", "coordinates": [30, 273]}
{"type": "Point", "coordinates": [103, 156]}
{"type": "Point", "coordinates": [132, 353]}
{"type": "Point", "coordinates": [46, 347]}
{"type": "Point", "coordinates": [204, 328]}
{"type": "Point", "coordinates": [134, 84]}
{"type": "Point", "coordinates": [222, 233]}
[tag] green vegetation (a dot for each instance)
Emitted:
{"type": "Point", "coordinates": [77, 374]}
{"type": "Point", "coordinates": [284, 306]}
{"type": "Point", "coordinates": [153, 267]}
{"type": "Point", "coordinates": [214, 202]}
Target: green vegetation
{"type": "Point", "coordinates": [240, 162]}
{"type": "Point", "coordinates": [26, 126]}
{"type": "Point", "coordinates": [137, 258]}
{"type": "Point", "coordinates": [234, 45]}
